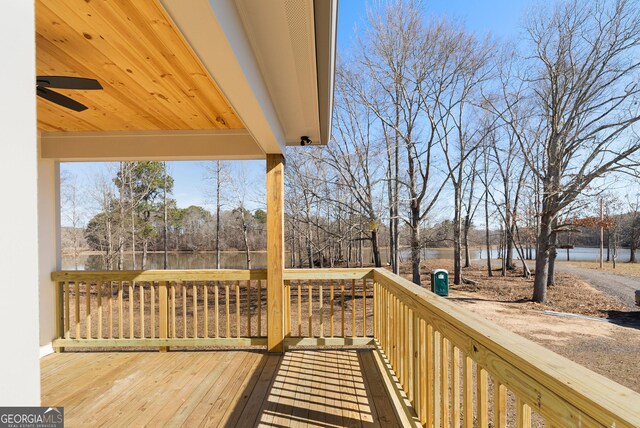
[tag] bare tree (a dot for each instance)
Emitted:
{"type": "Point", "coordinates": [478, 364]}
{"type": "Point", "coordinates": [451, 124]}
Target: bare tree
{"type": "Point", "coordinates": [581, 81]}
{"type": "Point", "coordinates": [351, 156]}
{"type": "Point", "coordinates": [73, 212]}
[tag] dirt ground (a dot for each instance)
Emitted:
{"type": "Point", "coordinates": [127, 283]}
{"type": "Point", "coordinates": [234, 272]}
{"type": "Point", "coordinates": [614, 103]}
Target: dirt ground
{"type": "Point", "coordinates": [605, 338]}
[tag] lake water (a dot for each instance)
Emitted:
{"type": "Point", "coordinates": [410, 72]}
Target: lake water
{"type": "Point", "coordinates": [236, 260]}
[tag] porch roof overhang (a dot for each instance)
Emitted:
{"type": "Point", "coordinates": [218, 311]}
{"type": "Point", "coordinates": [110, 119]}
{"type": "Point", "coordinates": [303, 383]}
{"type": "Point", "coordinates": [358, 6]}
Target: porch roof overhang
{"type": "Point", "coordinates": [204, 79]}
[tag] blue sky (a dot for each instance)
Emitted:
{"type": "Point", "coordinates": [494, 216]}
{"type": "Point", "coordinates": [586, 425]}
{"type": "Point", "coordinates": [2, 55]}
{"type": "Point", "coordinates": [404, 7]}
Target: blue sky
{"type": "Point", "coordinates": [502, 18]}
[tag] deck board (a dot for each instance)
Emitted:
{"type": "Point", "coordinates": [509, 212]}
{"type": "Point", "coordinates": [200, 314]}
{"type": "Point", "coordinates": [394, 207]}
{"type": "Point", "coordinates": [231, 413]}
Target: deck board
{"type": "Point", "coordinates": [302, 388]}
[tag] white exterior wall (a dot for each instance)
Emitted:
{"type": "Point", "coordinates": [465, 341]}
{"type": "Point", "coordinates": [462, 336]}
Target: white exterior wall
{"type": "Point", "coordinates": [49, 248]}
{"type": "Point", "coordinates": [19, 357]}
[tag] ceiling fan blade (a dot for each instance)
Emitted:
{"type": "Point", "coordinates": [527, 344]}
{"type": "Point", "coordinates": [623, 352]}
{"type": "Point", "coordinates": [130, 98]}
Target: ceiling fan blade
{"type": "Point", "coordinates": [59, 99]}
{"type": "Point", "coordinates": [66, 82]}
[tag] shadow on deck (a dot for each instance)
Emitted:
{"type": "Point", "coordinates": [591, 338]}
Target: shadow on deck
{"type": "Point", "coordinates": [319, 388]}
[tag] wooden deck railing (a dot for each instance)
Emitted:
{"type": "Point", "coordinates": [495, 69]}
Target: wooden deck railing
{"type": "Point", "coordinates": [328, 306]}
{"type": "Point", "coordinates": [161, 308]}
{"type": "Point", "coordinates": [458, 369]}
{"type": "Point", "coordinates": [454, 368]}
{"type": "Point", "coordinates": [210, 308]}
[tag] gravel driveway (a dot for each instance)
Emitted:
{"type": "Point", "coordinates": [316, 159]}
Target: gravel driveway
{"type": "Point", "coordinates": [622, 287]}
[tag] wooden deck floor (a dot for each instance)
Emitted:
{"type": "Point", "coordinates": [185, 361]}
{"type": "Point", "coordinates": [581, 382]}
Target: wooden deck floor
{"type": "Point", "coordinates": [327, 388]}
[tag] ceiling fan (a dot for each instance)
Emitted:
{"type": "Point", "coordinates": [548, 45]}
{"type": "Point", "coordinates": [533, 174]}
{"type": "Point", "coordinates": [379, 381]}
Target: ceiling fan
{"type": "Point", "coordinates": [64, 82]}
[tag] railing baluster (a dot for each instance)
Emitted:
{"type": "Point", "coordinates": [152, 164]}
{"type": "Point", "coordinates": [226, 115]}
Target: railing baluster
{"type": "Point", "coordinates": [226, 303]}
{"type": "Point", "coordinates": [299, 310]}
{"type": "Point", "coordinates": [467, 391]}
{"type": "Point", "coordinates": [353, 308]}
{"type": "Point", "coordinates": [174, 326]}
{"type": "Point", "coordinates": [444, 379]}
{"type": "Point", "coordinates": [99, 288]}
{"type": "Point", "coordinates": [499, 404]}
{"type": "Point", "coordinates": [321, 308]}
{"type": "Point", "coordinates": [216, 309]}
{"type": "Point", "coordinates": [141, 291]}
{"type": "Point", "coordinates": [424, 387]}
{"type": "Point", "coordinates": [482, 399]}
{"type": "Point", "coordinates": [430, 376]}
{"type": "Point", "coordinates": [523, 414]}
{"type": "Point", "coordinates": [163, 312]}
{"type": "Point", "coordinates": [415, 366]}
{"type": "Point", "coordinates": [87, 318]}
{"type": "Point", "coordinates": [194, 296]}
{"type": "Point", "coordinates": [364, 307]}
{"type": "Point", "coordinates": [120, 310]}
{"type": "Point", "coordinates": [287, 308]}
{"type": "Point", "coordinates": [394, 334]}
{"type": "Point", "coordinates": [402, 347]}
{"type": "Point", "coordinates": [130, 302]}
{"type": "Point", "coordinates": [237, 308]}
{"type": "Point", "coordinates": [76, 289]}
{"type": "Point", "coordinates": [59, 290]}
{"type": "Point", "coordinates": [260, 307]}
{"type": "Point", "coordinates": [110, 298]}
{"type": "Point", "coordinates": [376, 310]}
{"type": "Point", "coordinates": [152, 308]}
{"type": "Point", "coordinates": [437, 380]}
{"type": "Point", "coordinates": [407, 349]}
{"type": "Point", "coordinates": [248, 284]}
{"type": "Point", "coordinates": [205, 297]}
{"type": "Point", "coordinates": [342, 309]}
{"type": "Point", "coordinates": [183, 286]}
{"type": "Point", "coordinates": [455, 386]}
{"type": "Point", "coordinates": [331, 307]}
{"type": "Point", "coordinates": [310, 306]}
{"type": "Point", "coordinates": [67, 326]}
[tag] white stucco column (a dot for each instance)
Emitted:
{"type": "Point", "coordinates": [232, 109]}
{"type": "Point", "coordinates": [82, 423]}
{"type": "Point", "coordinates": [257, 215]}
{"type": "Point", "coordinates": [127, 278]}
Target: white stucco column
{"type": "Point", "coordinates": [49, 248]}
{"type": "Point", "coordinates": [19, 356]}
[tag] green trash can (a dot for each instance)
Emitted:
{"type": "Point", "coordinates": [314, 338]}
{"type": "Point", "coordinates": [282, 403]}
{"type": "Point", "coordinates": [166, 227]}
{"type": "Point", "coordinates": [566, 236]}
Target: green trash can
{"type": "Point", "coordinates": [440, 282]}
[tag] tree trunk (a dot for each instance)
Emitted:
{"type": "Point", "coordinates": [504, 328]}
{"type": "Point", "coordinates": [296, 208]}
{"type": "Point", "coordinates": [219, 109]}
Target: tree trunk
{"type": "Point", "coordinates": [467, 257]}
{"type": "Point", "coordinates": [360, 249]}
{"type": "Point", "coordinates": [457, 237]}
{"type": "Point", "coordinates": [415, 246]}
{"type": "Point", "coordinates": [166, 220]}
{"type": "Point", "coordinates": [553, 255]}
{"type": "Point", "coordinates": [145, 248]}
{"type": "Point", "coordinates": [375, 250]}
{"type": "Point", "coordinates": [218, 264]}
{"type": "Point", "coordinates": [121, 228]}
{"type": "Point", "coordinates": [487, 235]}
{"type": "Point", "coordinates": [132, 207]}
{"type": "Point", "coordinates": [542, 260]}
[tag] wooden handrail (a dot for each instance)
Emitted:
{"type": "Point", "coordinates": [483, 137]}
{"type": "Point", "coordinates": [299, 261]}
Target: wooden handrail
{"type": "Point", "coordinates": [563, 392]}
{"type": "Point", "coordinates": [208, 275]}
{"type": "Point", "coordinates": [161, 275]}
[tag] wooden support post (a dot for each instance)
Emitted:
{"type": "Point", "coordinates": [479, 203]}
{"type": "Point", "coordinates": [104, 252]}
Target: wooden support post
{"type": "Point", "coordinates": [163, 300]}
{"type": "Point", "coordinates": [275, 252]}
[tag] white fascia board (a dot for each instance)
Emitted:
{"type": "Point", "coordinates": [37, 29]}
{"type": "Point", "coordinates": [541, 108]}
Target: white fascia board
{"type": "Point", "coordinates": [215, 32]}
{"type": "Point", "coordinates": [326, 22]}
{"type": "Point", "coordinates": [227, 144]}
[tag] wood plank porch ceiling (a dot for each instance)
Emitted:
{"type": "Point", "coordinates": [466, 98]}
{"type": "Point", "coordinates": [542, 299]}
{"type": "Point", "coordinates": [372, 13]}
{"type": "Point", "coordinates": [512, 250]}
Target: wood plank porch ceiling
{"type": "Point", "coordinates": [152, 79]}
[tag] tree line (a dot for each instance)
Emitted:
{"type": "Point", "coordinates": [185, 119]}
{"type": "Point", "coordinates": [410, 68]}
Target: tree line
{"type": "Point", "coordinates": [429, 117]}
{"type": "Point", "coordinates": [135, 214]}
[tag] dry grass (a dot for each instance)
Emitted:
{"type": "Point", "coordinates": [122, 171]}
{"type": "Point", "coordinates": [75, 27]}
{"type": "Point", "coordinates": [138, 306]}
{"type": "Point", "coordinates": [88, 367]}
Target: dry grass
{"type": "Point", "coordinates": [568, 295]}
